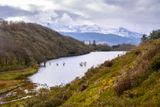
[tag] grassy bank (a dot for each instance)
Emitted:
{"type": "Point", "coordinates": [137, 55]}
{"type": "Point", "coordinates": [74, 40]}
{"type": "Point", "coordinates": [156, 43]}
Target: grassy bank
{"type": "Point", "coordinates": [14, 81]}
{"type": "Point", "coordinates": [129, 80]}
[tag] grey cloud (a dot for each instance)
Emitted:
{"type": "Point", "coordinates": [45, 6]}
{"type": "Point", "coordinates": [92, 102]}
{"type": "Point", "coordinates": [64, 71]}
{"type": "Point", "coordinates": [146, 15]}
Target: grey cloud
{"type": "Point", "coordinates": [135, 5]}
{"type": "Point", "coordinates": [136, 10]}
{"type": "Point", "coordinates": [7, 11]}
{"type": "Point", "coordinates": [139, 13]}
{"type": "Point", "coordinates": [122, 3]}
{"type": "Point", "coordinates": [71, 14]}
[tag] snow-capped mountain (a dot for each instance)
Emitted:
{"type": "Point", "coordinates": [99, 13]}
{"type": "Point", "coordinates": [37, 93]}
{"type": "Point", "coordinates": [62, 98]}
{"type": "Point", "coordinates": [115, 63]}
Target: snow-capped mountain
{"type": "Point", "coordinates": [112, 36]}
{"type": "Point", "coordinates": [124, 32]}
{"type": "Point", "coordinates": [94, 28]}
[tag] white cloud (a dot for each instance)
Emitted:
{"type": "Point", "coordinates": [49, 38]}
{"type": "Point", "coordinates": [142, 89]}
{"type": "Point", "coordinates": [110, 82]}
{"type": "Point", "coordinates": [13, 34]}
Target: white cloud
{"type": "Point", "coordinates": [22, 18]}
{"type": "Point", "coordinates": [27, 4]}
{"type": "Point", "coordinates": [138, 15]}
{"type": "Point", "coordinates": [65, 19]}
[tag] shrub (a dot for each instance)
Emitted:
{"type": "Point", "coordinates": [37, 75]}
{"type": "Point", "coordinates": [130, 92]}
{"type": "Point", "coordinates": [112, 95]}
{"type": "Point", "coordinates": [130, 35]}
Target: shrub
{"type": "Point", "coordinates": [155, 34]}
{"type": "Point", "coordinates": [155, 65]}
{"type": "Point", "coordinates": [108, 63]}
{"type": "Point", "coordinates": [140, 70]}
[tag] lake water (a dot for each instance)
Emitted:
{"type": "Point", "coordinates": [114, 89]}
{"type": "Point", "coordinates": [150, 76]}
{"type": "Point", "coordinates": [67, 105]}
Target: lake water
{"type": "Point", "coordinates": [64, 70]}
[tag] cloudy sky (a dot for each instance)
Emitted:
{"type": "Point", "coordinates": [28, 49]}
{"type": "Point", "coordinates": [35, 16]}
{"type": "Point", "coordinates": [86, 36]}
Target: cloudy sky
{"type": "Point", "coordinates": [137, 15]}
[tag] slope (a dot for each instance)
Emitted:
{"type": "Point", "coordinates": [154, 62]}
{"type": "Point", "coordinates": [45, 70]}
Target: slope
{"type": "Point", "coordinates": [27, 44]}
{"type": "Point", "coordinates": [129, 80]}
{"type": "Point", "coordinates": [132, 80]}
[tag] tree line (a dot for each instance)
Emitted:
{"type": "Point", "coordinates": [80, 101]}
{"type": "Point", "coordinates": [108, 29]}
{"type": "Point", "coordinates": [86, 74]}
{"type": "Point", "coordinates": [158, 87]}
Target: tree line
{"type": "Point", "coordinates": [155, 34]}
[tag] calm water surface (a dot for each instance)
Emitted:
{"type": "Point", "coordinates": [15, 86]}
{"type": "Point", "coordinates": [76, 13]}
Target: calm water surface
{"type": "Point", "coordinates": [64, 70]}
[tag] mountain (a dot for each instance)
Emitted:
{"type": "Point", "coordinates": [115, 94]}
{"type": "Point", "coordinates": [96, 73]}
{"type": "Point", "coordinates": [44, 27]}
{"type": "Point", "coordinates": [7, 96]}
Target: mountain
{"type": "Point", "coordinates": [100, 38]}
{"type": "Point", "coordinates": [131, 80]}
{"type": "Point", "coordinates": [123, 32]}
{"type": "Point", "coordinates": [27, 44]}
{"type": "Point", "coordinates": [100, 34]}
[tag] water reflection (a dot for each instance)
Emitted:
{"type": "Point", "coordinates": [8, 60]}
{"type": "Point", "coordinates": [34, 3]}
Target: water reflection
{"type": "Point", "coordinates": [63, 70]}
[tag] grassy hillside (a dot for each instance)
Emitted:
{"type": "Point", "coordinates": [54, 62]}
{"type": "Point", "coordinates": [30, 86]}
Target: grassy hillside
{"type": "Point", "coordinates": [132, 80]}
{"type": "Point", "coordinates": [27, 44]}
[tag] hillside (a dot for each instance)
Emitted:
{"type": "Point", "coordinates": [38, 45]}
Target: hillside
{"type": "Point", "coordinates": [27, 44]}
{"type": "Point", "coordinates": [132, 80]}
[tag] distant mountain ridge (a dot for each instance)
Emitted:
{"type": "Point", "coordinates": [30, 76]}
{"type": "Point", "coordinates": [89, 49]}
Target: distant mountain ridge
{"type": "Point", "coordinates": [100, 38]}
{"type": "Point", "coordinates": [121, 31]}
{"type": "Point", "coordinates": [112, 36]}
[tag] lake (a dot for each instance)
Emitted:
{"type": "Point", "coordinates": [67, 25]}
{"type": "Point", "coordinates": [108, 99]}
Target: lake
{"type": "Point", "coordinates": [64, 70]}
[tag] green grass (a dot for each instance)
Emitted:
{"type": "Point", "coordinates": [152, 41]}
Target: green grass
{"type": "Point", "coordinates": [17, 74]}
{"type": "Point", "coordinates": [13, 80]}
{"type": "Point", "coordinates": [132, 80]}
{"type": "Point", "coordinates": [101, 83]}
{"type": "Point", "coordinates": [136, 74]}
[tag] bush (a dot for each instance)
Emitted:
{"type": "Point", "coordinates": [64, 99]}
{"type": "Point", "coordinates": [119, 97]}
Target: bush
{"type": "Point", "coordinates": [155, 65]}
{"type": "Point", "coordinates": [140, 70]}
{"type": "Point", "coordinates": [155, 34]}
{"type": "Point", "coordinates": [108, 63]}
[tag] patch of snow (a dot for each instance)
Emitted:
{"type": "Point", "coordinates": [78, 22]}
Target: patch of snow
{"type": "Point", "coordinates": [123, 32]}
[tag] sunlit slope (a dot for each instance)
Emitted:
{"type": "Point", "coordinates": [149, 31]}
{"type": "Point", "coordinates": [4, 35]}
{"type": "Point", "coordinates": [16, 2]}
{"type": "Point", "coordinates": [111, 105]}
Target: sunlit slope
{"type": "Point", "coordinates": [130, 80]}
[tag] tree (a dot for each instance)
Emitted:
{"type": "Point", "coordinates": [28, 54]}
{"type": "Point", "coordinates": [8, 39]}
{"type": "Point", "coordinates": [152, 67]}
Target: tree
{"type": "Point", "coordinates": [94, 43]}
{"type": "Point", "coordinates": [144, 38]}
{"type": "Point", "coordinates": [89, 42]}
{"type": "Point", "coordinates": [155, 34]}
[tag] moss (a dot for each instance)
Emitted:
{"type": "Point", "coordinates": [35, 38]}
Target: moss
{"type": "Point", "coordinates": [17, 74]}
{"type": "Point", "coordinates": [14, 80]}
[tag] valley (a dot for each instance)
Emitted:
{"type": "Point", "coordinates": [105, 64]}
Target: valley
{"type": "Point", "coordinates": [40, 68]}
{"type": "Point", "coordinates": [129, 80]}
{"type": "Point", "coordinates": [74, 53]}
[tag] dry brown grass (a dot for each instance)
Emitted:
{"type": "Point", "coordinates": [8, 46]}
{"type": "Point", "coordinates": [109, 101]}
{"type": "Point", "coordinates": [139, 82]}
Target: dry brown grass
{"type": "Point", "coordinates": [139, 70]}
